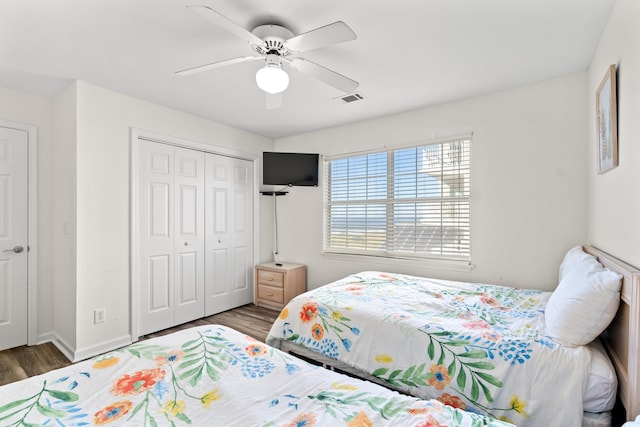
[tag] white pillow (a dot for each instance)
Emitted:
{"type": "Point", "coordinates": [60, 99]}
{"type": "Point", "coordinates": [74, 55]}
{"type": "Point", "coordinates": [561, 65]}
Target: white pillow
{"type": "Point", "coordinates": [584, 303]}
{"type": "Point", "coordinates": [602, 384]}
{"type": "Point", "coordinates": [571, 259]}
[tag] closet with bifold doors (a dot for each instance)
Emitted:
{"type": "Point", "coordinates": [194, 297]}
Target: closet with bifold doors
{"type": "Point", "coordinates": [194, 232]}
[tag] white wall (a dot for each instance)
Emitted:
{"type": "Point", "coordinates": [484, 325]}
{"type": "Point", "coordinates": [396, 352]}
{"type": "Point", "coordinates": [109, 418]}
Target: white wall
{"type": "Point", "coordinates": [528, 183]}
{"type": "Point", "coordinates": [105, 119]}
{"type": "Point", "coordinates": [614, 197]}
{"type": "Point", "coordinates": [37, 110]}
{"type": "Point", "coordinates": [83, 180]}
{"type": "Point", "coordinates": [63, 215]}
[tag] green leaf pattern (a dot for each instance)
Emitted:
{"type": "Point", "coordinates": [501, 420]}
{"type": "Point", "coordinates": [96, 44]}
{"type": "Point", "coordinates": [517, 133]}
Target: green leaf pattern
{"type": "Point", "coordinates": [468, 344]}
{"type": "Point", "coordinates": [206, 379]}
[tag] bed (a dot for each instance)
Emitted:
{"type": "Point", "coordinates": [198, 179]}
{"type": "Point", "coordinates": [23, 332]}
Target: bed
{"type": "Point", "coordinates": [213, 376]}
{"type": "Point", "coordinates": [622, 337]}
{"type": "Point", "coordinates": [504, 352]}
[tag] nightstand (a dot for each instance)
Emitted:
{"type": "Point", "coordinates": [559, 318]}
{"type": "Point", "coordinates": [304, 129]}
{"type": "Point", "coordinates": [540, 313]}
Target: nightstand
{"type": "Point", "coordinates": [275, 285]}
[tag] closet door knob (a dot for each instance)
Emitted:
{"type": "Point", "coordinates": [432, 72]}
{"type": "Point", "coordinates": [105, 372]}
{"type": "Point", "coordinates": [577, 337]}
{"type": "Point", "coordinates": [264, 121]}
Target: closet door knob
{"type": "Point", "coordinates": [16, 249]}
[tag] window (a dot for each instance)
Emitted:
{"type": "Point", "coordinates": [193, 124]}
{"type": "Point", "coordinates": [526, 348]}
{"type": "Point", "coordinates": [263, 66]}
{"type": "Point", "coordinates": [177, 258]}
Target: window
{"type": "Point", "coordinates": [403, 203]}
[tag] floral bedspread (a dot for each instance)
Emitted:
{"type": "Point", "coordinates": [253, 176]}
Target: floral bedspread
{"type": "Point", "coordinates": [212, 376]}
{"type": "Point", "coordinates": [478, 347]}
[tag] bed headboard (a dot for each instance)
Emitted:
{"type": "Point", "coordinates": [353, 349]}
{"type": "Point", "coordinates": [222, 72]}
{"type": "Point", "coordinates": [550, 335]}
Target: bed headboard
{"type": "Point", "coordinates": [621, 338]}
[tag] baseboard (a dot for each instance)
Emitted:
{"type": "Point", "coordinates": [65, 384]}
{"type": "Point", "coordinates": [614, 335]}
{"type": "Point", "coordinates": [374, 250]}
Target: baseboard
{"type": "Point", "coordinates": [76, 355]}
{"type": "Point", "coordinates": [60, 344]}
{"type": "Point", "coordinates": [103, 347]}
{"type": "Point", "coordinates": [45, 338]}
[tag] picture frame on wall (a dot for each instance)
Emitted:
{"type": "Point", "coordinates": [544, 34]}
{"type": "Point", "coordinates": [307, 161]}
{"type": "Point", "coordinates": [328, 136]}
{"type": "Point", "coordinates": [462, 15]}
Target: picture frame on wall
{"type": "Point", "coordinates": [607, 122]}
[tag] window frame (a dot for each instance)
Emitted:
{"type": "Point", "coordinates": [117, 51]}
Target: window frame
{"type": "Point", "coordinates": [447, 261]}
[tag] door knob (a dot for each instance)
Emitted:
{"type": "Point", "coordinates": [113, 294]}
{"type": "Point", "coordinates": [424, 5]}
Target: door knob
{"type": "Point", "coordinates": [16, 249]}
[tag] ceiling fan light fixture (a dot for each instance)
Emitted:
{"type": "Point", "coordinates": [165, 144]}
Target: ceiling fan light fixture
{"type": "Point", "coordinates": [272, 78]}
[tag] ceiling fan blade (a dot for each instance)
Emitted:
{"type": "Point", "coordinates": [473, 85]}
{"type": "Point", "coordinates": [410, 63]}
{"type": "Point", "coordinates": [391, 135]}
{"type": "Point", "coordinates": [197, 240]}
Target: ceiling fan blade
{"type": "Point", "coordinates": [273, 100]}
{"type": "Point", "coordinates": [340, 82]}
{"type": "Point", "coordinates": [337, 32]}
{"type": "Point", "coordinates": [218, 64]}
{"type": "Point", "coordinates": [224, 22]}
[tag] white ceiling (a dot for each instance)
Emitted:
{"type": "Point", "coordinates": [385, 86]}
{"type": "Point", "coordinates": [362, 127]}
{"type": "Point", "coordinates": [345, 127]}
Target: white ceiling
{"type": "Point", "coordinates": [408, 54]}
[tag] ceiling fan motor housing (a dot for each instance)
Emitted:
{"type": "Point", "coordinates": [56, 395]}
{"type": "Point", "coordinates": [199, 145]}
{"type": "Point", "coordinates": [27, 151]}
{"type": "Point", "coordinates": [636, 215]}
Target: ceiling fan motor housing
{"type": "Point", "coordinates": [274, 37]}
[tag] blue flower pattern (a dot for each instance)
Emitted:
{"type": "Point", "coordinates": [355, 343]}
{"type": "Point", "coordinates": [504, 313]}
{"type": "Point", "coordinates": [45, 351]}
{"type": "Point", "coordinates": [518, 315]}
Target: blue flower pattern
{"type": "Point", "coordinates": [479, 326]}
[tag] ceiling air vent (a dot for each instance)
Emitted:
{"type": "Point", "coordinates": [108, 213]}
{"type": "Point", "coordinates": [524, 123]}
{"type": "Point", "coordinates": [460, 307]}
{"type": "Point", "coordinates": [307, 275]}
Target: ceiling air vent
{"type": "Point", "coordinates": [352, 97]}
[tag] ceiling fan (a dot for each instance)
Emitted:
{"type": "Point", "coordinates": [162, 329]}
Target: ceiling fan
{"type": "Point", "coordinates": [276, 45]}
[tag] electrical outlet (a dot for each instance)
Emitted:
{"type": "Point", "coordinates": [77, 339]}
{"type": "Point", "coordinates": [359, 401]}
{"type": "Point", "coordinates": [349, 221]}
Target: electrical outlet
{"type": "Point", "coordinates": [99, 315]}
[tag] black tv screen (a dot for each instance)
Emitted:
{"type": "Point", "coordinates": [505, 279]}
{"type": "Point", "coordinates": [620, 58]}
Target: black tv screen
{"type": "Point", "coordinates": [292, 169]}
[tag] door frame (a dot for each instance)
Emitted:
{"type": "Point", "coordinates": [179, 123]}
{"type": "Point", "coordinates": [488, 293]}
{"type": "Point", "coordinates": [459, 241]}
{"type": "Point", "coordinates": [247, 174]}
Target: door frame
{"type": "Point", "coordinates": [32, 226]}
{"type": "Point", "coordinates": [138, 134]}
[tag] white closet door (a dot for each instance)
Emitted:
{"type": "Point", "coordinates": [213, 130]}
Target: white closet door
{"type": "Point", "coordinates": [155, 236]}
{"type": "Point", "coordinates": [242, 242]}
{"type": "Point", "coordinates": [217, 184]}
{"type": "Point", "coordinates": [170, 236]}
{"type": "Point", "coordinates": [189, 232]}
{"type": "Point", "coordinates": [229, 233]}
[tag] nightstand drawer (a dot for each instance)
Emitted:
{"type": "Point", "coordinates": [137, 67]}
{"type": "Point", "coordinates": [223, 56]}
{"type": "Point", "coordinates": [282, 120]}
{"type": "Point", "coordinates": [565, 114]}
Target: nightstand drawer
{"type": "Point", "coordinates": [270, 293]}
{"type": "Point", "coordinates": [271, 278]}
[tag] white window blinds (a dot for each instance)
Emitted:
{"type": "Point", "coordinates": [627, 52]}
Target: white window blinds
{"type": "Point", "coordinates": [404, 203]}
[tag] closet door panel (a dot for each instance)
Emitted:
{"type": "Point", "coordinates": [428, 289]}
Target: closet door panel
{"type": "Point", "coordinates": [187, 269]}
{"type": "Point", "coordinates": [159, 214]}
{"type": "Point", "coordinates": [159, 283]}
{"type": "Point", "coordinates": [189, 241]}
{"type": "Point", "coordinates": [242, 241]}
{"type": "Point", "coordinates": [219, 286]}
{"type": "Point", "coordinates": [242, 282]}
{"type": "Point", "coordinates": [241, 277]}
{"type": "Point", "coordinates": [218, 236]}
{"type": "Point", "coordinates": [155, 236]}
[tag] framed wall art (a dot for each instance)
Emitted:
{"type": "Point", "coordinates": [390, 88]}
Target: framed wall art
{"type": "Point", "coordinates": [607, 122]}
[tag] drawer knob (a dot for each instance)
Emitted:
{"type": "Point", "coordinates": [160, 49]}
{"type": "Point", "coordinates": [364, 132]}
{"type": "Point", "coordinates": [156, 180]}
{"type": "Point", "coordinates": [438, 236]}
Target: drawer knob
{"type": "Point", "coordinates": [269, 294]}
{"type": "Point", "coordinates": [270, 279]}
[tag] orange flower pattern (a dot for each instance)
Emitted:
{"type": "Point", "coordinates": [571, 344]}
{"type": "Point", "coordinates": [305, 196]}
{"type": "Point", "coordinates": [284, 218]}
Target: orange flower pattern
{"type": "Point", "coordinates": [317, 331]}
{"type": "Point", "coordinates": [360, 420]}
{"type": "Point", "coordinates": [112, 412]}
{"type": "Point", "coordinates": [173, 356]}
{"type": "Point", "coordinates": [431, 422]}
{"type": "Point", "coordinates": [303, 420]}
{"type": "Point", "coordinates": [195, 384]}
{"type": "Point", "coordinates": [440, 378]}
{"type": "Point", "coordinates": [138, 382]}
{"type": "Point", "coordinates": [465, 334]}
{"type": "Point", "coordinates": [256, 350]}
{"type": "Point", "coordinates": [452, 400]}
{"type": "Point", "coordinates": [106, 362]}
{"type": "Point", "coordinates": [309, 312]}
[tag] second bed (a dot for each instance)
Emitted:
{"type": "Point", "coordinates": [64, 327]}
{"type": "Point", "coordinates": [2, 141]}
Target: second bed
{"type": "Point", "coordinates": [479, 347]}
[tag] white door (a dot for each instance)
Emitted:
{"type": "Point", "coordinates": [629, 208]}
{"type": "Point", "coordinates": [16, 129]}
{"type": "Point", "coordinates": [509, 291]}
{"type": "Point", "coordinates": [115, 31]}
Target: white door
{"type": "Point", "coordinates": [229, 233]}
{"type": "Point", "coordinates": [217, 185]}
{"type": "Point", "coordinates": [242, 242]}
{"type": "Point", "coordinates": [170, 236]}
{"type": "Point", "coordinates": [189, 232]}
{"type": "Point", "coordinates": [13, 237]}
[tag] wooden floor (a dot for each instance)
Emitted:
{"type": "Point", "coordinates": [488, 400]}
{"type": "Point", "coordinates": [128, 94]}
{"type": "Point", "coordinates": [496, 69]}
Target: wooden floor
{"type": "Point", "coordinates": [26, 361]}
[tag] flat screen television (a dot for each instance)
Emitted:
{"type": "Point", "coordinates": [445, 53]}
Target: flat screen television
{"type": "Point", "coordinates": [292, 169]}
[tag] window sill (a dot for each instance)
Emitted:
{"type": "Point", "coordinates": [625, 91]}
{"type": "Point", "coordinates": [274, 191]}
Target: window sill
{"type": "Point", "coordinates": [439, 264]}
